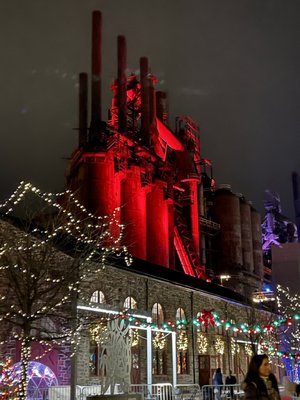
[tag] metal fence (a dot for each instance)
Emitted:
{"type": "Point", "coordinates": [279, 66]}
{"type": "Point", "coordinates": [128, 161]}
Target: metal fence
{"type": "Point", "coordinates": [187, 392]}
{"type": "Point", "coordinates": [156, 391]}
{"type": "Point", "coordinates": [221, 392]}
{"type": "Point", "coordinates": [159, 391]}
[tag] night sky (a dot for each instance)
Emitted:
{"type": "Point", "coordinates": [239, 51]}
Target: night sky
{"type": "Point", "coordinates": [232, 65]}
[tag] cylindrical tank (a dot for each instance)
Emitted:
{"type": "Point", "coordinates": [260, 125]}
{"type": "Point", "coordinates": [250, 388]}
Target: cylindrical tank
{"type": "Point", "coordinates": [101, 184]}
{"type": "Point", "coordinates": [133, 213]}
{"type": "Point", "coordinates": [157, 226]}
{"type": "Point", "coordinates": [246, 231]}
{"type": "Point", "coordinates": [226, 211]}
{"type": "Point", "coordinates": [97, 188]}
{"type": "Point", "coordinates": [257, 243]}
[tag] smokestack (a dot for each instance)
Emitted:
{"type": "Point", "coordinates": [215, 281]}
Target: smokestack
{"type": "Point", "coordinates": [83, 112]}
{"type": "Point", "coordinates": [145, 107]}
{"type": "Point", "coordinates": [296, 197]}
{"type": "Point", "coordinates": [95, 128]}
{"type": "Point", "coordinates": [122, 84]}
{"type": "Point", "coordinates": [162, 106]}
{"type": "Point", "coordinates": [152, 102]}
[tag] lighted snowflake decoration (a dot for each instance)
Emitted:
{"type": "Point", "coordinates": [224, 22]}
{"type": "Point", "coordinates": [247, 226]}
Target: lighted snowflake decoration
{"type": "Point", "coordinates": [219, 346]}
{"type": "Point", "coordinates": [248, 350]}
{"type": "Point", "coordinates": [159, 340]}
{"type": "Point", "coordinates": [182, 340]}
{"type": "Point", "coordinates": [202, 343]}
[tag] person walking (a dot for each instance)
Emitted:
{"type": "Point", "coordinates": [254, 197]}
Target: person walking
{"type": "Point", "coordinates": [217, 382]}
{"type": "Point", "coordinates": [260, 383]}
{"type": "Point", "coordinates": [230, 380]}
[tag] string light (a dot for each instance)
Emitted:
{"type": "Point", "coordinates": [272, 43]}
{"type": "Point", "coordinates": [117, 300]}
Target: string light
{"type": "Point", "coordinates": [159, 340]}
{"type": "Point", "coordinates": [219, 346]}
{"type": "Point", "coordinates": [248, 350]}
{"type": "Point", "coordinates": [202, 343]}
{"type": "Point", "coordinates": [182, 340]}
{"type": "Point", "coordinates": [31, 260]}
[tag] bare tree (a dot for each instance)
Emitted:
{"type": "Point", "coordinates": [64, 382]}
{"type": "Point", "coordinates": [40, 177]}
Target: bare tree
{"type": "Point", "coordinates": [289, 311]}
{"type": "Point", "coordinates": [44, 258]}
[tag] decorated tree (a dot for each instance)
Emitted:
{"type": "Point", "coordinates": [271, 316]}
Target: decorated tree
{"type": "Point", "coordinates": [8, 386]}
{"type": "Point", "coordinates": [288, 305]}
{"type": "Point", "coordinates": [44, 258]}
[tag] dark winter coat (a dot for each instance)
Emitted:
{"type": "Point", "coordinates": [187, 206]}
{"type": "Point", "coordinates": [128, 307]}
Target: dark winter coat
{"type": "Point", "coordinates": [253, 392]}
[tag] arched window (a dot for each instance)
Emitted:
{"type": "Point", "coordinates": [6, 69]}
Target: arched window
{"type": "Point", "coordinates": [130, 303]}
{"type": "Point", "coordinates": [159, 342]}
{"type": "Point", "coordinates": [98, 297]}
{"type": "Point", "coordinates": [180, 314]}
{"type": "Point", "coordinates": [181, 342]}
{"type": "Point", "coordinates": [157, 314]}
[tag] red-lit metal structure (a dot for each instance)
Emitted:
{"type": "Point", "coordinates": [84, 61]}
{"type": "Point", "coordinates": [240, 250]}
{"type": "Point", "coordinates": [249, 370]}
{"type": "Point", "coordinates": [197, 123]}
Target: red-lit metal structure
{"type": "Point", "coordinates": [135, 161]}
{"type": "Point", "coordinates": [156, 177]}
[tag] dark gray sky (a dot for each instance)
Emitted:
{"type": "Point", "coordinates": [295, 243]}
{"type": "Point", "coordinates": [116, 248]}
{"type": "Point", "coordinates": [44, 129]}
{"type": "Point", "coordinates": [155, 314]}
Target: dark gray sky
{"type": "Point", "coordinates": [232, 65]}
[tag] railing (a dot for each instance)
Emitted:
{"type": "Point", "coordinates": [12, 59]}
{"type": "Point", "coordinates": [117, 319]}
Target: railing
{"type": "Point", "coordinates": [159, 391]}
{"type": "Point", "coordinates": [156, 391]}
{"type": "Point", "coordinates": [187, 392]}
{"type": "Point", "coordinates": [221, 392]}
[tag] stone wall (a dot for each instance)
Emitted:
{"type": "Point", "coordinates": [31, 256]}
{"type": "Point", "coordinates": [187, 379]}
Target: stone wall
{"type": "Point", "coordinates": [118, 284]}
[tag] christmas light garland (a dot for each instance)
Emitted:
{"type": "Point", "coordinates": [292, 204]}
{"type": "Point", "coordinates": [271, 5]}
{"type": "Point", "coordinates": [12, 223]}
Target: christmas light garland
{"type": "Point", "coordinates": [96, 238]}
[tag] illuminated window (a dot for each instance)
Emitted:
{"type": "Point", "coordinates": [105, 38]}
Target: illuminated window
{"type": "Point", "coordinates": [181, 343]}
{"type": "Point", "coordinates": [130, 303]}
{"type": "Point", "coordinates": [159, 342]}
{"type": "Point", "coordinates": [97, 297]}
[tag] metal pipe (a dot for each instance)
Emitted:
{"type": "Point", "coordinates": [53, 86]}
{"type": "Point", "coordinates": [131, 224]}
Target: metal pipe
{"type": "Point", "coordinates": [96, 65]}
{"type": "Point", "coordinates": [122, 83]}
{"type": "Point", "coordinates": [145, 107]}
{"type": "Point", "coordinates": [83, 111]}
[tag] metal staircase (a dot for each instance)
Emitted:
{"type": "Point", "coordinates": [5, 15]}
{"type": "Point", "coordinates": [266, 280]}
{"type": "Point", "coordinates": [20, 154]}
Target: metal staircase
{"type": "Point", "coordinates": [183, 243]}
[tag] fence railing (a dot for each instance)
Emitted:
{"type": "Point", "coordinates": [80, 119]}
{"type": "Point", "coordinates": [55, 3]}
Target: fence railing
{"type": "Point", "coordinates": [221, 392]}
{"type": "Point", "coordinates": [187, 392]}
{"type": "Point", "coordinates": [158, 391]}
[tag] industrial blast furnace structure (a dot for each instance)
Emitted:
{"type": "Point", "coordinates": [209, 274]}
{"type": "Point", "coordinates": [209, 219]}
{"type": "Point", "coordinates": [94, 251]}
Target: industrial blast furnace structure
{"type": "Point", "coordinates": [184, 236]}
{"type": "Point", "coordinates": [156, 177]}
